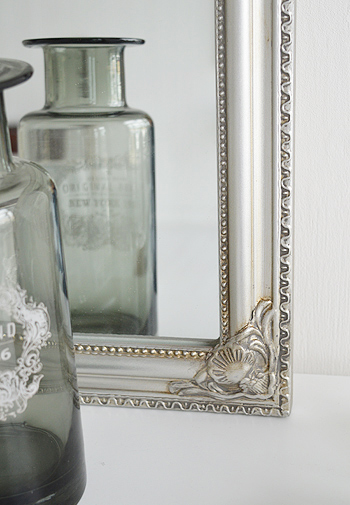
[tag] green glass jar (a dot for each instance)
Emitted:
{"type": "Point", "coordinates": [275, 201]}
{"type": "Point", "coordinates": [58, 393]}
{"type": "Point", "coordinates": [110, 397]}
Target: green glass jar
{"type": "Point", "coordinates": [41, 447]}
{"type": "Point", "coordinates": [100, 153]}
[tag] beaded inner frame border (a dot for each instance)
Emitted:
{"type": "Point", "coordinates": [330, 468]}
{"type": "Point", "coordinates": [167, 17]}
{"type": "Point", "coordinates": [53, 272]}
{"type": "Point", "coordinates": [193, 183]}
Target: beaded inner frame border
{"type": "Point", "coordinates": [248, 372]}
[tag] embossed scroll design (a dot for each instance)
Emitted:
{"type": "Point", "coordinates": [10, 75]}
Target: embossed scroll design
{"type": "Point", "coordinates": [242, 365]}
{"type": "Point", "coordinates": [20, 384]}
{"type": "Point", "coordinates": [287, 13]}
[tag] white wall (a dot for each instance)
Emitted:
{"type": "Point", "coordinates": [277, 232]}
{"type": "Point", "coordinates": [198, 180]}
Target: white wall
{"type": "Point", "coordinates": [322, 182]}
{"type": "Point", "coordinates": [185, 166]}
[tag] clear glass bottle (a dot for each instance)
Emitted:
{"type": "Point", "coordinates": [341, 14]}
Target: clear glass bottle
{"type": "Point", "coordinates": [100, 153]}
{"type": "Point", "coordinates": [41, 448]}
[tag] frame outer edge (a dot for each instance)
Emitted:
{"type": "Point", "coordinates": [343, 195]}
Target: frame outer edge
{"type": "Point", "coordinates": [286, 198]}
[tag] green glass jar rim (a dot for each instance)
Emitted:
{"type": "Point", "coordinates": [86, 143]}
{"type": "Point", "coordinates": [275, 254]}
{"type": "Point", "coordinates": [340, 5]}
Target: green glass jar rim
{"type": "Point", "coordinates": [88, 41]}
{"type": "Point", "coordinates": [13, 72]}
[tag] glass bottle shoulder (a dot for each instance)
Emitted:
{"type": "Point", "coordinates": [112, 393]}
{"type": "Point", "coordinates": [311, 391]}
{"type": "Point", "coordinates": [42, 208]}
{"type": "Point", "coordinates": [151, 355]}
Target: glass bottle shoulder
{"type": "Point", "coordinates": [89, 116]}
{"type": "Point", "coordinates": [24, 178]}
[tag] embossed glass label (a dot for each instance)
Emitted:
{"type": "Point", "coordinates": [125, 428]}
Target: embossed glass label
{"type": "Point", "coordinates": [96, 211]}
{"type": "Point", "coordinates": [7, 345]}
{"type": "Point", "coordinates": [21, 339]}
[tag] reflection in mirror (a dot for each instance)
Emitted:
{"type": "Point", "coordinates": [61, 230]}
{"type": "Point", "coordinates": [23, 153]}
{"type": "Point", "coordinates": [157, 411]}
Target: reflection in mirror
{"type": "Point", "coordinates": [172, 77]}
{"type": "Point", "coordinates": [185, 122]}
{"type": "Point", "coordinates": [100, 153]}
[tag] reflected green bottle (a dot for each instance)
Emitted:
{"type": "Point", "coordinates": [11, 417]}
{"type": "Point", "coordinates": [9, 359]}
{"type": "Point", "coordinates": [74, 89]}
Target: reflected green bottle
{"type": "Point", "coordinates": [100, 153]}
{"type": "Point", "coordinates": [41, 447]}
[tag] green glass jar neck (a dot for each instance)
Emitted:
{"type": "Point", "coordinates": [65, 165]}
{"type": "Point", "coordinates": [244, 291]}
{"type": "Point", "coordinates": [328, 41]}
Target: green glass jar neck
{"type": "Point", "coordinates": [84, 76]}
{"type": "Point", "coordinates": [6, 161]}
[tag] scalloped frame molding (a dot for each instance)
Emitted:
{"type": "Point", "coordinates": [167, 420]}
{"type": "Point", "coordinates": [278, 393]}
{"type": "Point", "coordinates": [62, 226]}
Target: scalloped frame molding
{"type": "Point", "coordinates": [247, 370]}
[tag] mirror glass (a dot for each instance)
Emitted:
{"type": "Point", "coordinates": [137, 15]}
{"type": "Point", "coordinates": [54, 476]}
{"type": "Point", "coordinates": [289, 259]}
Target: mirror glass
{"type": "Point", "coordinates": [172, 78]}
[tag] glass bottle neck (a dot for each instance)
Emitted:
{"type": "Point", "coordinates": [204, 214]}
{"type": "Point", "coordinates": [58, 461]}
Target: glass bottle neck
{"type": "Point", "coordinates": [6, 161]}
{"type": "Point", "coordinates": [79, 77]}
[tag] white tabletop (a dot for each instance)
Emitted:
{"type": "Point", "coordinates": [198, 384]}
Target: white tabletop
{"type": "Point", "coordinates": [150, 457]}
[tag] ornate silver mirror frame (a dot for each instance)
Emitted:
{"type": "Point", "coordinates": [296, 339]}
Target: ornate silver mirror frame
{"type": "Point", "coordinates": [247, 369]}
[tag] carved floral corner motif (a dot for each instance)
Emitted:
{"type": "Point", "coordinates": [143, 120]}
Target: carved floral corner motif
{"type": "Point", "coordinates": [244, 365]}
